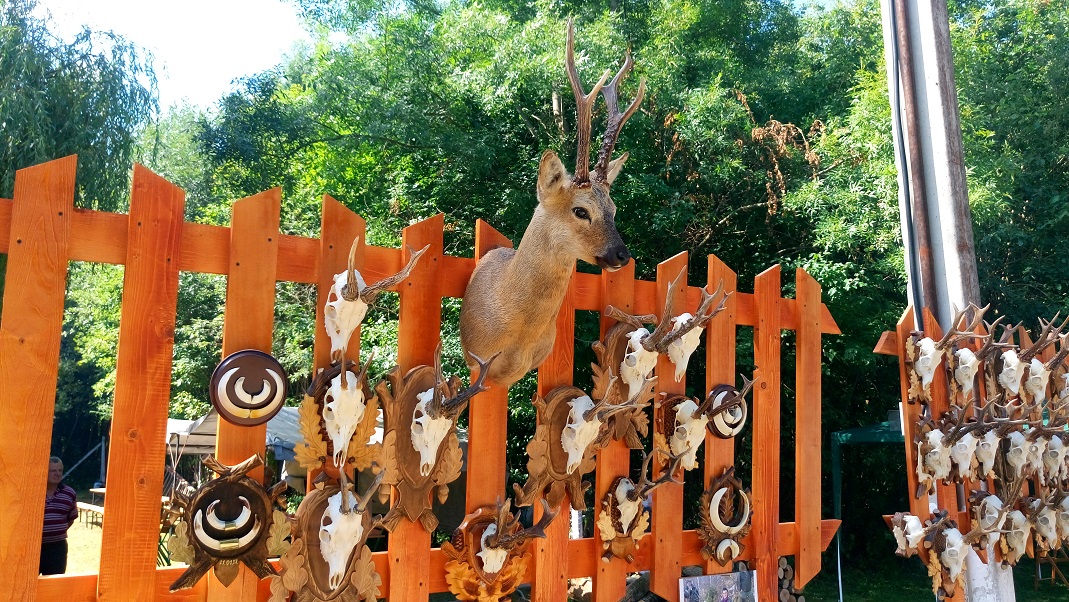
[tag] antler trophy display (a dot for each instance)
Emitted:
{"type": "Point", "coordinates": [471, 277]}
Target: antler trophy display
{"type": "Point", "coordinates": [227, 521]}
{"type": "Point", "coordinates": [329, 558]}
{"type": "Point", "coordinates": [420, 446]}
{"type": "Point", "coordinates": [684, 421]}
{"type": "Point", "coordinates": [725, 513]}
{"type": "Point", "coordinates": [624, 520]}
{"type": "Point", "coordinates": [571, 428]}
{"type": "Point", "coordinates": [487, 557]}
{"type": "Point", "coordinates": [513, 297]}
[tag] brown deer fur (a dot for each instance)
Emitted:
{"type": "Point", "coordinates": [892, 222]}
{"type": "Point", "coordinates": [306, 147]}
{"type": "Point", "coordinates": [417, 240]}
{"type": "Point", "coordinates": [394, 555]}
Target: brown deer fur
{"type": "Point", "coordinates": [513, 297]}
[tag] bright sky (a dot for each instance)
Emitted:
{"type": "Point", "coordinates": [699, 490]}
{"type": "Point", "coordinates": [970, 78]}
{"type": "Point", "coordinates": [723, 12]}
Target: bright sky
{"type": "Point", "coordinates": [200, 46]}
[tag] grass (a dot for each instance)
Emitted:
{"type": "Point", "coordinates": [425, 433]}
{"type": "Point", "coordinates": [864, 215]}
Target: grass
{"type": "Point", "coordinates": [900, 580]}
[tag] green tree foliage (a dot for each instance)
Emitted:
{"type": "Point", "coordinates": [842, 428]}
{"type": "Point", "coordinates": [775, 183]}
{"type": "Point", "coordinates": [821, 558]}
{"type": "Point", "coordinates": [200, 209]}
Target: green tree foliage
{"type": "Point", "coordinates": [89, 96]}
{"type": "Point", "coordinates": [764, 138]}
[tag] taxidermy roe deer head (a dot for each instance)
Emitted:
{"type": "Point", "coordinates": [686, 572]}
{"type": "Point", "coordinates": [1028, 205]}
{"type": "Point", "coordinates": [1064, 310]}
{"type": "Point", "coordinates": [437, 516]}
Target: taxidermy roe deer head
{"type": "Point", "coordinates": [512, 299]}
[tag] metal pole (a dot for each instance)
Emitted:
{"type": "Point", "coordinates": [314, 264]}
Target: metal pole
{"type": "Point", "coordinates": [103, 460]}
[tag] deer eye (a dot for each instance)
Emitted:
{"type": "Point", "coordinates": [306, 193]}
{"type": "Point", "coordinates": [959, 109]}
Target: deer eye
{"type": "Point", "coordinates": [581, 213]}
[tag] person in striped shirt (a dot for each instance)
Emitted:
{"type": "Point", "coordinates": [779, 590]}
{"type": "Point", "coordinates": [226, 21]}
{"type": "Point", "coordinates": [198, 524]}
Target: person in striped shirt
{"type": "Point", "coordinates": [61, 509]}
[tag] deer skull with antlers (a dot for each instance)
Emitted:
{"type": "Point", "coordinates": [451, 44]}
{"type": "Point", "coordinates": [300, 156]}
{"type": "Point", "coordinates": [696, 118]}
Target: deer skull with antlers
{"type": "Point", "coordinates": [678, 336]}
{"type": "Point", "coordinates": [623, 521]}
{"type": "Point", "coordinates": [514, 295]}
{"type": "Point", "coordinates": [350, 297]}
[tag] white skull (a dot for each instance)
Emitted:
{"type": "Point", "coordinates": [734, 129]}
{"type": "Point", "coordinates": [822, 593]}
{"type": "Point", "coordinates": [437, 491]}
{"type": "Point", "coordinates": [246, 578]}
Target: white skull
{"type": "Point", "coordinates": [493, 559]}
{"type": "Point", "coordinates": [1012, 372]}
{"type": "Point", "coordinates": [953, 557]}
{"type": "Point", "coordinates": [962, 454]}
{"type": "Point", "coordinates": [579, 433]}
{"type": "Point", "coordinates": [937, 460]}
{"type": "Point", "coordinates": [340, 317]}
{"type": "Point", "coordinates": [986, 451]}
{"type": "Point", "coordinates": [680, 349]}
{"type": "Point", "coordinates": [1046, 524]}
{"type": "Point", "coordinates": [927, 361]}
{"type": "Point", "coordinates": [1036, 449]}
{"type": "Point", "coordinates": [1054, 458]}
{"type": "Point", "coordinates": [688, 434]}
{"type": "Point", "coordinates": [1017, 536]}
{"type": "Point", "coordinates": [965, 373]}
{"type": "Point", "coordinates": [339, 533]}
{"type": "Point", "coordinates": [343, 413]}
{"type": "Point", "coordinates": [990, 521]}
{"type": "Point", "coordinates": [1063, 520]}
{"type": "Point", "coordinates": [629, 509]}
{"type": "Point", "coordinates": [1017, 455]}
{"type": "Point", "coordinates": [900, 538]}
{"type": "Point", "coordinates": [914, 531]}
{"type": "Point", "coordinates": [1038, 376]}
{"type": "Point", "coordinates": [428, 433]}
{"type": "Point", "coordinates": [638, 362]}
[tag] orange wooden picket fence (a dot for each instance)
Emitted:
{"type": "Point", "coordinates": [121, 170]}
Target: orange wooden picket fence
{"type": "Point", "coordinates": [41, 232]}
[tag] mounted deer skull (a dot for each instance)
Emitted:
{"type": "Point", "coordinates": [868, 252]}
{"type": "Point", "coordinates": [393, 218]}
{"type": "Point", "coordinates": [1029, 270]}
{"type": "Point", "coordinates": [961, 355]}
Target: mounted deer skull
{"type": "Point", "coordinates": [341, 528]}
{"type": "Point", "coordinates": [350, 297]}
{"type": "Point", "coordinates": [513, 297]}
{"type": "Point", "coordinates": [676, 336]}
{"type": "Point", "coordinates": [623, 521]}
{"type": "Point", "coordinates": [1014, 542]}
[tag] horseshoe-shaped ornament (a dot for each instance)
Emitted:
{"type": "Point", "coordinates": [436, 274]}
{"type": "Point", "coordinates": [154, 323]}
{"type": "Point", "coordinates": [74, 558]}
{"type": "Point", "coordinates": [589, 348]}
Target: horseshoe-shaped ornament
{"type": "Point", "coordinates": [227, 522]}
{"type": "Point", "coordinates": [248, 387]}
{"type": "Point", "coordinates": [722, 536]}
{"type": "Point", "coordinates": [727, 421]}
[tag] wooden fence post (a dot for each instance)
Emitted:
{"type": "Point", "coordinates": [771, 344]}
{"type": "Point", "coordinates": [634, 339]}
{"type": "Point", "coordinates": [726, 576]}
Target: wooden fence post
{"type": "Point", "coordinates": [610, 580]}
{"type": "Point", "coordinates": [419, 328]}
{"type": "Point", "coordinates": [340, 227]}
{"type": "Point", "coordinates": [808, 436]}
{"type": "Point", "coordinates": [30, 334]}
{"type": "Point", "coordinates": [488, 414]}
{"type": "Point", "coordinates": [137, 455]}
{"type": "Point", "coordinates": [666, 520]}
{"type": "Point", "coordinates": [766, 431]}
{"type": "Point", "coordinates": [248, 323]}
{"type": "Point", "coordinates": [720, 339]}
{"type": "Point", "coordinates": [551, 554]}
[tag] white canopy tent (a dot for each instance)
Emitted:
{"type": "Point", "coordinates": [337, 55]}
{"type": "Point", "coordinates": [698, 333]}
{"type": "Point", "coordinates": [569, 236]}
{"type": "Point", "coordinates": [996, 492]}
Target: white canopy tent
{"type": "Point", "coordinates": [197, 437]}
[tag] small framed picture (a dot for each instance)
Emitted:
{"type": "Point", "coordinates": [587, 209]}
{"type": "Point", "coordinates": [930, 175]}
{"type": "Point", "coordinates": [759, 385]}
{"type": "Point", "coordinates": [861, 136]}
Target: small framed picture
{"type": "Point", "coordinates": [729, 587]}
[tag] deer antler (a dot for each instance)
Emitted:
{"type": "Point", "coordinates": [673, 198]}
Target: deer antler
{"type": "Point", "coordinates": [1046, 338]}
{"type": "Point", "coordinates": [990, 346]}
{"type": "Point", "coordinates": [504, 540]}
{"type": "Point", "coordinates": [372, 291]}
{"type": "Point", "coordinates": [584, 111]}
{"type": "Point", "coordinates": [955, 334]}
{"type": "Point", "coordinates": [603, 409]}
{"type": "Point", "coordinates": [456, 404]}
{"type": "Point", "coordinates": [644, 485]}
{"type": "Point", "coordinates": [650, 341]}
{"type": "Point", "coordinates": [615, 121]}
{"type": "Point", "coordinates": [635, 321]}
{"type": "Point", "coordinates": [363, 501]}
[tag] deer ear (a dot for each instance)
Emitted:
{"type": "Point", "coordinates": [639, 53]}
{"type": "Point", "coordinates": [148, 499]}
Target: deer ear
{"type": "Point", "coordinates": [552, 177]}
{"type": "Point", "coordinates": [614, 168]}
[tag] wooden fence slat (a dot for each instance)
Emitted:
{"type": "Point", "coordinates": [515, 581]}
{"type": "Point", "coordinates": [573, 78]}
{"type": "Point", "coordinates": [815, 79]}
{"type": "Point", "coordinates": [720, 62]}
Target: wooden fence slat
{"type": "Point", "coordinates": [550, 581]}
{"type": "Point", "coordinates": [720, 339]}
{"type": "Point", "coordinates": [137, 454]}
{"type": "Point", "coordinates": [339, 227]}
{"type": "Point", "coordinates": [808, 436]}
{"type": "Point", "coordinates": [610, 580]}
{"type": "Point", "coordinates": [418, 331]}
{"type": "Point", "coordinates": [101, 237]}
{"type": "Point", "coordinates": [248, 323]}
{"type": "Point", "coordinates": [911, 412]}
{"type": "Point", "coordinates": [946, 495]}
{"type": "Point", "coordinates": [766, 431]}
{"type": "Point", "coordinates": [487, 414]}
{"type": "Point", "coordinates": [666, 518]}
{"type": "Point", "coordinates": [30, 334]}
